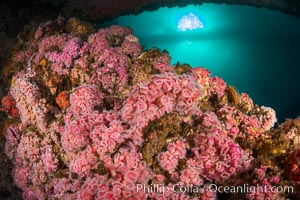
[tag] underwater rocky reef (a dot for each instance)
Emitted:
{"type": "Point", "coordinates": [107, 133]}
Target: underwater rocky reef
{"type": "Point", "coordinates": [90, 114]}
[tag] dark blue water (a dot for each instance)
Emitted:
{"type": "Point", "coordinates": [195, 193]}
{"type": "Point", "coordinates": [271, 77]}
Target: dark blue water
{"type": "Point", "coordinates": [255, 50]}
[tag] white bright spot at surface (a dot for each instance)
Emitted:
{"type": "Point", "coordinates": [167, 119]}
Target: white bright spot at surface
{"type": "Point", "coordinates": [189, 22]}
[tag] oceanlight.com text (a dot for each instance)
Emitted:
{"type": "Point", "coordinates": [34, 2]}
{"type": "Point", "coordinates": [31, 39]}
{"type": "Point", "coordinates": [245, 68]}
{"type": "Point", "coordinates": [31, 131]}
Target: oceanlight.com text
{"type": "Point", "coordinates": [245, 188]}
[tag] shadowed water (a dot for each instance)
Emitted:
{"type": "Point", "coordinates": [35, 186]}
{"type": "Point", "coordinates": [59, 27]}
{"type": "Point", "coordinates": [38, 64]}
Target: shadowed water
{"type": "Point", "coordinates": [255, 50]}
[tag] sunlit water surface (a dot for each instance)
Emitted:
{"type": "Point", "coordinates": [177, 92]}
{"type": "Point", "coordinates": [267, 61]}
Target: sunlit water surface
{"type": "Point", "coordinates": [255, 50]}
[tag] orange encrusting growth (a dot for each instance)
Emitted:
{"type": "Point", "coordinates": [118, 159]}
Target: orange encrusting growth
{"type": "Point", "coordinates": [62, 100]}
{"type": "Point", "coordinates": [43, 62]}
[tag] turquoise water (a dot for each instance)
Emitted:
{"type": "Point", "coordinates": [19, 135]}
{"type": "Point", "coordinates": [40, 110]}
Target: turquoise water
{"type": "Point", "coordinates": [255, 50]}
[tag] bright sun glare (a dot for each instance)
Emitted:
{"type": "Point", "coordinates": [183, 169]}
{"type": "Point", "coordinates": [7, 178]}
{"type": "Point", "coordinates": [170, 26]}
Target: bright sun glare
{"type": "Point", "coordinates": [189, 22]}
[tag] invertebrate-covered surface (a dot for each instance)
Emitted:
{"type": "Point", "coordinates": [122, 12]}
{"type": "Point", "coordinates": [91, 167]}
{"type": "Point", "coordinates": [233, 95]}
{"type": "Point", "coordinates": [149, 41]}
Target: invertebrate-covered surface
{"type": "Point", "coordinates": [93, 116]}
